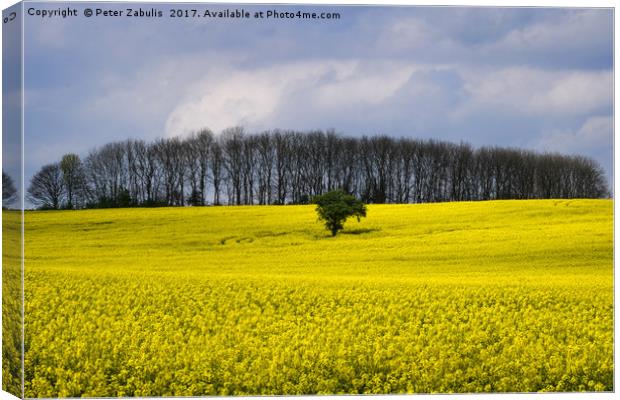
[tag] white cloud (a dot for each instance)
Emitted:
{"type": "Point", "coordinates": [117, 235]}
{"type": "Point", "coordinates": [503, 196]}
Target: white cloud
{"type": "Point", "coordinates": [538, 92]}
{"type": "Point", "coordinates": [141, 98]}
{"type": "Point", "coordinates": [594, 135]}
{"type": "Point", "coordinates": [406, 33]}
{"type": "Point", "coordinates": [257, 98]}
{"type": "Point", "coordinates": [571, 30]}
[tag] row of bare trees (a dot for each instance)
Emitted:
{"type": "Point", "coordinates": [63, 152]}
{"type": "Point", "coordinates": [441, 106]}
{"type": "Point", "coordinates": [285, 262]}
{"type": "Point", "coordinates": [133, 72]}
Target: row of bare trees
{"type": "Point", "coordinates": [280, 167]}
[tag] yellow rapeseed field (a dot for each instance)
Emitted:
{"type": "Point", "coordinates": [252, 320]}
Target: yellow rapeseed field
{"type": "Point", "coordinates": [11, 303]}
{"type": "Point", "coordinates": [456, 297]}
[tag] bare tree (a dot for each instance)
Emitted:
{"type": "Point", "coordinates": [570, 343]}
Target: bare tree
{"type": "Point", "coordinates": [47, 187]}
{"type": "Point", "coordinates": [74, 180]}
{"type": "Point", "coordinates": [203, 150]}
{"type": "Point", "coordinates": [232, 150]}
{"type": "Point", "coordinates": [169, 153]}
{"type": "Point", "coordinates": [191, 153]}
{"type": "Point", "coordinates": [9, 192]}
{"type": "Point", "coordinates": [264, 167]}
{"type": "Point", "coordinates": [216, 165]}
{"type": "Point", "coordinates": [282, 142]}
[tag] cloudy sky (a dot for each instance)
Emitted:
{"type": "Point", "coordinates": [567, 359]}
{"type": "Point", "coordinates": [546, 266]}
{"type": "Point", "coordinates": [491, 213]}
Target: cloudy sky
{"type": "Point", "coordinates": [522, 77]}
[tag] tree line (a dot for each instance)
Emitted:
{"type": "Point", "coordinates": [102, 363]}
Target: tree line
{"type": "Point", "coordinates": [291, 167]}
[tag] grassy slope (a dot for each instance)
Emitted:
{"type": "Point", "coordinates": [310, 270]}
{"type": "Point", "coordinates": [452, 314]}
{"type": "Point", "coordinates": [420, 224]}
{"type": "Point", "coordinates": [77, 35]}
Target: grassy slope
{"type": "Point", "coordinates": [487, 296]}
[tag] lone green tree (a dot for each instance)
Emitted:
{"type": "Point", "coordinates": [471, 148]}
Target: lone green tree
{"type": "Point", "coordinates": [335, 207]}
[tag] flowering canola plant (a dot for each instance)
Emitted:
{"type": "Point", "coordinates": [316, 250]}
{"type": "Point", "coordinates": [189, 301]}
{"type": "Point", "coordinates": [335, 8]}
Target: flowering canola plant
{"type": "Point", "coordinates": [498, 296]}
